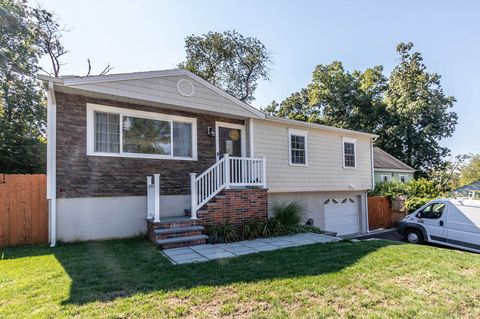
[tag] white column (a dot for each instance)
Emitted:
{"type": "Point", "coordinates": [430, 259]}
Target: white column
{"type": "Point", "coordinates": [149, 199]}
{"type": "Point", "coordinates": [193, 199]}
{"type": "Point", "coordinates": [227, 171]}
{"type": "Point", "coordinates": [264, 172]}
{"type": "Point", "coordinates": [156, 181]}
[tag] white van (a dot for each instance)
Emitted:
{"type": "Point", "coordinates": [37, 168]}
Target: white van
{"type": "Point", "coordinates": [450, 222]}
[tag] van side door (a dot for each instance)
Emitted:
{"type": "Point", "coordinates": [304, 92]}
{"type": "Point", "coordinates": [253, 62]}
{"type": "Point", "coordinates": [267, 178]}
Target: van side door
{"type": "Point", "coordinates": [433, 218]}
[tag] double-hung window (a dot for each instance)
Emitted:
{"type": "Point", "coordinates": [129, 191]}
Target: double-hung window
{"type": "Point", "coordinates": [349, 153]}
{"type": "Point", "coordinates": [120, 132]}
{"type": "Point", "coordinates": [298, 147]}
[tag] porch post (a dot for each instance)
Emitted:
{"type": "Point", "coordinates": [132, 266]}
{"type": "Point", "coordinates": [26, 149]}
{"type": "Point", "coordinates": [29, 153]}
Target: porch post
{"type": "Point", "coordinates": [156, 179]}
{"type": "Point", "coordinates": [193, 198]}
{"type": "Point", "coordinates": [264, 172]}
{"type": "Point", "coordinates": [227, 171]}
{"type": "Point", "coordinates": [149, 196]}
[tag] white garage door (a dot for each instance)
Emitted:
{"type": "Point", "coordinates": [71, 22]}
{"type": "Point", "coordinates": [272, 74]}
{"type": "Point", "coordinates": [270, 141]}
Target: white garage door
{"type": "Point", "coordinates": [342, 215]}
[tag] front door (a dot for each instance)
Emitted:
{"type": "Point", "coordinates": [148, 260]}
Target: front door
{"type": "Point", "coordinates": [229, 141]}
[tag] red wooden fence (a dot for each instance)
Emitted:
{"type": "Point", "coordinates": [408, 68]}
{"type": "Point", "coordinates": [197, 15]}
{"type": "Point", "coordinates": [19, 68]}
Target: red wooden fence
{"type": "Point", "coordinates": [379, 212]}
{"type": "Point", "coordinates": [23, 209]}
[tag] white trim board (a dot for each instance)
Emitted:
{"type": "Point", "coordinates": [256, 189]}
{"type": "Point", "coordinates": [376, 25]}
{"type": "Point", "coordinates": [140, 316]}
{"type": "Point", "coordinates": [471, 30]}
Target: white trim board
{"type": "Point", "coordinates": [92, 108]}
{"type": "Point", "coordinates": [351, 141]}
{"type": "Point", "coordinates": [297, 133]}
{"type": "Point", "coordinates": [243, 143]}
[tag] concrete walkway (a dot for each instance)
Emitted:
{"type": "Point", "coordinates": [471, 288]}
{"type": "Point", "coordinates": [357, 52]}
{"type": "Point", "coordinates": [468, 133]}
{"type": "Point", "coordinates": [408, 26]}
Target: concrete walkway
{"type": "Point", "coordinates": [200, 253]}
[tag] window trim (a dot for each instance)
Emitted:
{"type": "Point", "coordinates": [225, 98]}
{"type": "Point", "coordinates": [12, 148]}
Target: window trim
{"type": "Point", "coordinates": [400, 178]}
{"type": "Point", "coordinates": [297, 133]}
{"type": "Point", "coordinates": [92, 108]}
{"type": "Point", "coordinates": [387, 176]}
{"type": "Point", "coordinates": [354, 142]}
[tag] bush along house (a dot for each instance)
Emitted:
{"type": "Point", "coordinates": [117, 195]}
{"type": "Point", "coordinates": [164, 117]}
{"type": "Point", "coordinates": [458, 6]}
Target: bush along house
{"type": "Point", "coordinates": [167, 153]}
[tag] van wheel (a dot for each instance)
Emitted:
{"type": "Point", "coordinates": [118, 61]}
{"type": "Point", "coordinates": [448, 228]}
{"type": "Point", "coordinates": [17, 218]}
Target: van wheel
{"type": "Point", "coordinates": [413, 236]}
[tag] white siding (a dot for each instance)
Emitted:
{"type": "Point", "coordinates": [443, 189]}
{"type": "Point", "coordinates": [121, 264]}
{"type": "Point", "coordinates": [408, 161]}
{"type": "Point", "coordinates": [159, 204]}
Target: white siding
{"type": "Point", "coordinates": [325, 170]}
{"type": "Point", "coordinates": [164, 90]}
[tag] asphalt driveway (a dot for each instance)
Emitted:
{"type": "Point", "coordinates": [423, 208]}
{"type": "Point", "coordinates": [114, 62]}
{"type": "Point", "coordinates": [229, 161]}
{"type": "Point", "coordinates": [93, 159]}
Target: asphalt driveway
{"type": "Point", "coordinates": [391, 234]}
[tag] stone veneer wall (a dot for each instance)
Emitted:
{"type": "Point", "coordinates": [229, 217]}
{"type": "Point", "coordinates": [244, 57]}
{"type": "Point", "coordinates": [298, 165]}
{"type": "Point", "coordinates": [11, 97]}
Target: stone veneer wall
{"type": "Point", "coordinates": [235, 207]}
{"type": "Point", "coordinates": [79, 175]}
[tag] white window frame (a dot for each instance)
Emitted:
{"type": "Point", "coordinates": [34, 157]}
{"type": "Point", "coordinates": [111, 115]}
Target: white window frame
{"type": "Point", "coordinates": [354, 142]}
{"type": "Point", "coordinates": [297, 133]}
{"type": "Point", "coordinates": [389, 178]}
{"type": "Point", "coordinates": [404, 178]}
{"type": "Point", "coordinates": [92, 108]}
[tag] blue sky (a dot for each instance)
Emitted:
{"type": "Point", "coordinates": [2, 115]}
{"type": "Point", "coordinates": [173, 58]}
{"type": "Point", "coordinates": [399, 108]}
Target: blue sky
{"type": "Point", "coordinates": [149, 35]}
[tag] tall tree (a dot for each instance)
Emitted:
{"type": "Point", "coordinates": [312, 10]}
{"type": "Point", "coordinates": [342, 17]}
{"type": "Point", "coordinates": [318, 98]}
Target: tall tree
{"type": "Point", "coordinates": [418, 113]}
{"type": "Point", "coordinates": [22, 107]}
{"type": "Point", "coordinates": [471, 171]}
{"type": "Point", "coordinates": [228, 60]}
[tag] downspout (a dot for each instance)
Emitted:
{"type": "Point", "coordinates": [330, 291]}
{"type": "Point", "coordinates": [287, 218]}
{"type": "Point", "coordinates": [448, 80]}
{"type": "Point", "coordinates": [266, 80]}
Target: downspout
{"type": "Point", "coordinates": [52, 163]}
{"type": "Point", "coordinates": [372, 185]}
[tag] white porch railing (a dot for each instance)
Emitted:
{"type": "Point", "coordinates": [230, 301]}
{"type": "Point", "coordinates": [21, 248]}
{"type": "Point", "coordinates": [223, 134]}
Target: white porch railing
{"type": "Point", "coordinates": [153, 197]}
{"type": "Point", "coordinates": [227, 172]}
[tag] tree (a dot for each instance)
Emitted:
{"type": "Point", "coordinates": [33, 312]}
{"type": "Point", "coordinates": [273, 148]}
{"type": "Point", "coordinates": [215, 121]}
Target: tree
{"type": "Point", "coordinates": [447, 176]}
{"type": "Point", "coordinates": [228, 60]}
{"type": "Point", "coordinates": [471, 171]}
{"type": "Point", "coordinates": [418, 113]}
{"type": "Point", "coordinates": [22, 107]}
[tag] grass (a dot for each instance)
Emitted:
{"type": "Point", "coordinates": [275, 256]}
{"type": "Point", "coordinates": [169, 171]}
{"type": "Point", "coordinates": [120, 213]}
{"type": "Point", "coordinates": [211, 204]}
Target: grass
{"type": "Point", "coordinates": [131, 279]}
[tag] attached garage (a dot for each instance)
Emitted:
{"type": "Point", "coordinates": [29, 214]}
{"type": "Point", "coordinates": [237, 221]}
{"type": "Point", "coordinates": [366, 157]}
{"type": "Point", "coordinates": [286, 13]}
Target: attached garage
{"type": "Point", "coordinates": [342, 215]}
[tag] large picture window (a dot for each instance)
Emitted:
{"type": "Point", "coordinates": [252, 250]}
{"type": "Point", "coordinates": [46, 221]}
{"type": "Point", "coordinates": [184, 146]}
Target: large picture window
{"type": "Point", "coordinates": [128, 133]}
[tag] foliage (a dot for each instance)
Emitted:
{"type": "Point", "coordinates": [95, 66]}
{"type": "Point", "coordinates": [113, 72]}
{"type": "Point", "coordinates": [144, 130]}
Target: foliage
{"type": "Point", "coordinates": [422, 187]}
{"type": "Point", "coordinates": [471, 171]}
{"type": "Point", "coordinates": [447, 176]}
{"type": "Point", "coordinates": [414, 203]}
{"type": "Point", "coordinates": [22, 106]}
{"type": "Point", "coordinates": [225, 233]}
{"type": "Point", "coordinates": [390, 189]}
{"type": "Point", "coordinates": [228, 60]}
{"type": "Point", "coordinates": [289, 212]}
{"type": "Point", "coordinates": [419, 113]}
{"type": "Point", "coordinates": [409, 111]}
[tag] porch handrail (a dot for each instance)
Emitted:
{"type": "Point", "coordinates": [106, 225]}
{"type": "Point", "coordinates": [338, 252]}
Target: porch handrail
{"type": "Point", "coordinates": [227, 172]}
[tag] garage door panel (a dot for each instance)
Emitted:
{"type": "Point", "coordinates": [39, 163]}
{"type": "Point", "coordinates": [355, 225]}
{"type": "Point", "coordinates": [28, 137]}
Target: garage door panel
{"type": "Point", "coordinates": [342, 217]}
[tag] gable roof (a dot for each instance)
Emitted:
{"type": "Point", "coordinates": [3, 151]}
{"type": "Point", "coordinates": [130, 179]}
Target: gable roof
{"type": "Point", "coordinates": [475, 186]}
{"type": "Point", "coordinates": [383, 160]}
{"type": "Point", "coordinates": [85, 81]}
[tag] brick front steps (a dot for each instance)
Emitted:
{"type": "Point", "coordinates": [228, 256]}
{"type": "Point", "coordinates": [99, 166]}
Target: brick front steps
{"type": "Point", "coordinates": [176, 232]}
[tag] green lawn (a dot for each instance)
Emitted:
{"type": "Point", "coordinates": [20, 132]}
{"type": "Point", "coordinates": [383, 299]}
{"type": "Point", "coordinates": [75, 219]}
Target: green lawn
{"type": "Point", "coordinates": [131, 279]}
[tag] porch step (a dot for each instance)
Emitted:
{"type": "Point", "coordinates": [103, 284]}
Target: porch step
{"type": "Point", "coordinates": [164, 231]}
{"type": "Point", "coordinates": [181, 241]}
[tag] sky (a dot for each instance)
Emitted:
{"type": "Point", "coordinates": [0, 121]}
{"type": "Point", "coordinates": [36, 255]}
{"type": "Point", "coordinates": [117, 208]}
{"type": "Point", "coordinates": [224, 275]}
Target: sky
{"type": "Point", "coordinates": [146, 35]}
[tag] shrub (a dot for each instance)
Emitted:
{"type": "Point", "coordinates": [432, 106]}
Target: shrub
{"type": "Point", "coordinates": [225, 233]}
{"type": "Point", "coordinates": [251, 230]}
{"type": "Point", "coordinates": [288, 213]}
{"type": "Point", "coordinates": [391, 189]}
{"type": "Point", "coordinates": [422, 188]}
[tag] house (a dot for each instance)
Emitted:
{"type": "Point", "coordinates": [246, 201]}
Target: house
{"type": "Point", "coordinates": [469, 190]}
{"type": "Point", "coordinates": [389, 168]}
{"type": "Point", "coordinates": [166, 152]}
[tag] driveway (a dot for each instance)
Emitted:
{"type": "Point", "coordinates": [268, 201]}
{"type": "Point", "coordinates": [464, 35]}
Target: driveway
{"type": "Point", "coordinates": [389, 234]}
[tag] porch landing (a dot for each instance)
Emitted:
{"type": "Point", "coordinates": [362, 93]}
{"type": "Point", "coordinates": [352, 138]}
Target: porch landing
{"type": "Point", "coordinates": [201, 253]}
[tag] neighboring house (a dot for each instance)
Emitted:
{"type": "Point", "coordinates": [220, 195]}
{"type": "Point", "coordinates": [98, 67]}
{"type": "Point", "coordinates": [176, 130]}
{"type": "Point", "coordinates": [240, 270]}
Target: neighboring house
{"type": "Point", "coordinates": [472, 190]}
{"type": "Point", "coordinates": [389, 168]}
{"type": "Point", "coordinates": [126, 148]}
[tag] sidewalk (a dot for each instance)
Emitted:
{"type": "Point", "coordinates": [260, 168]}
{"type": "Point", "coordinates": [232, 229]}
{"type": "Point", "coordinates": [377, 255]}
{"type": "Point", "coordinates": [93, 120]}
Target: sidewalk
{"type": "Point", "coordinates": [201, 253]}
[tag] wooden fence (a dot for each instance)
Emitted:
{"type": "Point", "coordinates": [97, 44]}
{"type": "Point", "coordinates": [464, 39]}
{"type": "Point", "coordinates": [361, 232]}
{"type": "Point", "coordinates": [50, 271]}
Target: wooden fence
{"type": "Point", "coordinates": [23, 210]}
{"type": "Point", "coordinates": [379, 212]}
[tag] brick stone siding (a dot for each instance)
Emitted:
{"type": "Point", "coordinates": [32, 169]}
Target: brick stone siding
{"type": "Point", "coordinates": [79, 175]}
{"type": "Point", "coordinates": [235, 207]}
